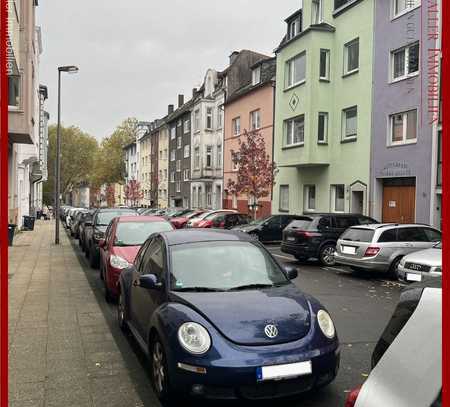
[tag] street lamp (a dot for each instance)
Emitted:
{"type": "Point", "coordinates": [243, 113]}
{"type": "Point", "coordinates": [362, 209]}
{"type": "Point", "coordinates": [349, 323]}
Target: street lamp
{"type": "Point", "coordinates": [71, 69]}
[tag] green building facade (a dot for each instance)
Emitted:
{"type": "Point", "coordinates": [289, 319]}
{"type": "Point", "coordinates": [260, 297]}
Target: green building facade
{"type": "Point", "coordinates": [323, 108]}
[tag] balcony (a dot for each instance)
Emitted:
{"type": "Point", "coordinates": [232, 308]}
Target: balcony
{"type": "Point", "coordinates": [206, 173]}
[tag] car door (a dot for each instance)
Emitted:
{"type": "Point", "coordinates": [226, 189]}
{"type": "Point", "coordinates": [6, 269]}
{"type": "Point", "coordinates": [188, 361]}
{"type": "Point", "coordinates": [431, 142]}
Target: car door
{"type": "Point", "coordinates": [145, 301]}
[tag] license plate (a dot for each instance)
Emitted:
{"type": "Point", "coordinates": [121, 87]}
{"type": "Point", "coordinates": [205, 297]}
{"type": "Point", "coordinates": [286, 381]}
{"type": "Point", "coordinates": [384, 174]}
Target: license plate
{"type": "Point", "coordinates": [413, 277]}
{"type": "Point", "coordinates": [280, 372]}
{"type": "Point", "coordinates": [348, 249]}
{"type": "Point", "coordinates": [291, 239]}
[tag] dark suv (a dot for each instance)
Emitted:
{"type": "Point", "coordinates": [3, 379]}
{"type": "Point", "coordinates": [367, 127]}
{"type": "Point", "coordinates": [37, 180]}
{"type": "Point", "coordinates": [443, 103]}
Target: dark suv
{"type": "Point", "coordinates": [96, 232]}
{"type": "Point", "coordinates": [268, 229]}
{"type": "Point", "coordinates": [315, 235]}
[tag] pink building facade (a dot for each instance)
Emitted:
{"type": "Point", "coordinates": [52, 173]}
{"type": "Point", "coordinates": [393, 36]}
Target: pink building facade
{"type": "Point", "coordinates": [251, 108]}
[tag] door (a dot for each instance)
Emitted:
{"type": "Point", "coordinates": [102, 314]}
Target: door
{"type": "Point", "coordinates": [399, 204]}
{"type": "Point", "coordinates": [357, 201]}
{"type": "Point", "coordinates": [145, 301]}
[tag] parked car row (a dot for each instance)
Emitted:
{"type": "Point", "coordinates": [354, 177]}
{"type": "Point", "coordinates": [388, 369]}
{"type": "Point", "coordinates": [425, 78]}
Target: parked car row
{"type": "Point", "coordinates": [186, 294]}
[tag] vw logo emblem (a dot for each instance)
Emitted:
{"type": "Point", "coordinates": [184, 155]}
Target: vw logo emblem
{"type": "Point", "coordinates": [271, 331]}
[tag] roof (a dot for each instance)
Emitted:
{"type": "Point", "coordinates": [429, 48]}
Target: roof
{"type": "Point", "coordinates": [180, 111]}
{"type": "Point", "coordinates": [184, 236]}
{"type": "Point", "coordinates": [129, 219]}
{"type": "Point", "coordinates": [375, 226]}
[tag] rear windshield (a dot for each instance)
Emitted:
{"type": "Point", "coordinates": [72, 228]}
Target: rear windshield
{"type": "Point", "coordinates": [358, 235]}
{"type": "Point", "coordinates": [302, 224]}
{"type": "Point", "coordinates": [103, 218]}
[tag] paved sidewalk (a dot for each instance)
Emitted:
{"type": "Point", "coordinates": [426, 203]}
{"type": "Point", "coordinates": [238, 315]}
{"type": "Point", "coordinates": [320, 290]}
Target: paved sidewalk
{"type": "Point", "coordinates": [64, 349]}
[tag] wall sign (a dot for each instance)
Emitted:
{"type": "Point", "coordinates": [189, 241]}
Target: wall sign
{"type": "Point", "coordinates": [396, 169]}
{"type": "Point", "coordinates": [392, 204]}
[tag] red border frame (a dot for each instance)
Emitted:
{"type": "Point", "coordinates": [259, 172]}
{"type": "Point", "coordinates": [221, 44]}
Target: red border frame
{"type": "Point", "coordinates": [445, 91]}
{"type": "Point", "coordinates": [3, 207]}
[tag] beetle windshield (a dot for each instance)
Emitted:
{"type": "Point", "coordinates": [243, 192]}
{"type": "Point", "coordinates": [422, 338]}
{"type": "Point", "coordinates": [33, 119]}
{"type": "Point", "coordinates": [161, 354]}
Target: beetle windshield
{"type": "Point", "coordinates": [136, 233]}
{"type": "Point", "coordinates": [223, 266]}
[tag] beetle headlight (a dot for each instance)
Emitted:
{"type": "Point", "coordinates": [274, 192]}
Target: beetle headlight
{"type": "Point", "coordinates": [326, 324]}
{"type": "Point", "coordinates": [194, 338]}
{"type": "Point", "coordinates": [118, 262]}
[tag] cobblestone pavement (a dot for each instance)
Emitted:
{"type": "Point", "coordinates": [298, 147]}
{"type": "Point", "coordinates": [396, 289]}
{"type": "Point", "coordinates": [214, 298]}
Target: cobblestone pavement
{"type": "Point", "coordinates": [63, 352]}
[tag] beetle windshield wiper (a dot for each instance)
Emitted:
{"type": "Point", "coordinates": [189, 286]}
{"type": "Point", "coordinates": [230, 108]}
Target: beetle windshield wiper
{"type": "Point", "coordinates": [199, 289]}
{"type": "Point", "coordinates": [251, 286]}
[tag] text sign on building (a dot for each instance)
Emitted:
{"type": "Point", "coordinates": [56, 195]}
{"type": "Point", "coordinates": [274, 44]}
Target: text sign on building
{"type": "Point", "coordinates": [396, 169]}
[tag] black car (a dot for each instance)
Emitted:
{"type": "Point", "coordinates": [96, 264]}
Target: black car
{"type": "Point", "coordinates": [75, 226]}
{"type": "Point", "coordinates": [268, 229]}
{"type": "Point", "coordinates": [85, 223]}
{"type": "Point", "coordinates": [96, 232]}
{"type": "Point", "coordinates": [315, 235]}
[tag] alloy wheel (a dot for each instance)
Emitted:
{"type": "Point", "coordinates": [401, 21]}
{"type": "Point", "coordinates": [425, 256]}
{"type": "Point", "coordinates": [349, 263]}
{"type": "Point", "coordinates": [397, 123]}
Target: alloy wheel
{"type": "Point", "coordinates": [327, 255]}
{"type": "Point", "coordinates": [158, 363]}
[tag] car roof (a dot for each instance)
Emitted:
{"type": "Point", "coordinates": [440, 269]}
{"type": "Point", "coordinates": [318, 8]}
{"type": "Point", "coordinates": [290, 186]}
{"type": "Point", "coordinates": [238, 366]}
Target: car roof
{"type": "Point", "coordinates": [115, 210]}
{"type": "Point", "coordinates": [375, 226]}
{"type": "Point", "coordinates": [127, 219]}
{"type": "Point", "coordinates": [184, 236]}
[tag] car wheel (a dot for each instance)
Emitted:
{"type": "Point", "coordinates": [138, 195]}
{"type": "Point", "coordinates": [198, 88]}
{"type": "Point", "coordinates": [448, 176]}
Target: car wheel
{"type": "Point", "coordinates": [159, 371]}
{"type": "Point", "coordinates": [122, 313]}
{"type": "Point", "coordinates": [393, 270]}
{"type": "Point", "coordinates": [326, 255]}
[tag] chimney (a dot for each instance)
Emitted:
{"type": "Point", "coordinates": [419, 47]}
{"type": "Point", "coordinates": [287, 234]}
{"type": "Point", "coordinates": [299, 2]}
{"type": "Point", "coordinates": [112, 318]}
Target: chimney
{"type": "Point", "coordinates": [233, 56]}
{"type": "Point", "coordinates": [180, 100]}
{"type": "Point", "coordinates": [170, 109]}
{"type": "Point", "coordinates": [194, 92]}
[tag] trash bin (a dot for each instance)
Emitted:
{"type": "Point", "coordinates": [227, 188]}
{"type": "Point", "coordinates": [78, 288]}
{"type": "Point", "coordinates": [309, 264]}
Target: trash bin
{"type": "Point", "coordinates": [11, 230]}
{"type": "Point", "coordinates": [28, 222]}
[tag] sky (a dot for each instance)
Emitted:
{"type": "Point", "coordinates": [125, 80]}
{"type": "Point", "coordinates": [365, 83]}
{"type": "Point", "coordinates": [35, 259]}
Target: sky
{"type": "Point", "coordinates": [136, 56]}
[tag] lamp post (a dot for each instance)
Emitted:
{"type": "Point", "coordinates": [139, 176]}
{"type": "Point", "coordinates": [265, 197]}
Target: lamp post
{"type": "Point", "coordinates": [69, 69]}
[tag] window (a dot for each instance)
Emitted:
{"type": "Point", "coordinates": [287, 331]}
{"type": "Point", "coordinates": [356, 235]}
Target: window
{"type": "Point", "coordinates": [412, 234]}
{"type": "Point", "coordinates": [186, 202]}
{"type": "Point", "coordinates": [294, 27]}
{"type": "Point", "coordinates": [403, 128]}
{"type": "Point", "coordinates": [350, 123]}
{"type": "Point", "coordinates": [295, 131]}
{"type": "Point", "coordinates": [256, 75]}
{"type": "Point", "coordinates": [186, 174]}
{"type": "Point", "coordinates": [197, 158]}
{"type": "Point", "coordinates": [160, 154]}
{"type": "Point", "coordinates": [13, 90]}
{"type": "Point", "coordinates": [209, 118]}
{"type": "Point", "coordinates": [194, 197]}
{"type": "Point", "coordinates": [187, 126]}
{"type": "Point", "coordinates": [433, 235]}
{"type": "Point", "coordinates": [187, 149]}
{"type": "Point", "coordinates": [179, 142]}
{"type": "Point", "coordinates": [405, 62]}
{"type": "Point", "coordinates": [199, 197]}
{"type": "Point", "coordinates": [178, 165]}
{"type": "Point", "coordinates": [219, 117]}
{"type": "Point", "coordinates": [179, 123]}
{"type": "Point", "coordinates": [178, 186]}
{"type": "Point", "coordinates": [197, 120]}
{"type": "Point", "coordinates": [324, 67]}
{"type": "Point", "coordinates": [219, 156]}
{"type": "Point", "coordinates": [310, 197]}
{"type": "Point", "coordinates": [236, 161]}
{"type": "Point", "coordinates": [340, 3]}
{"type": "Point", "coordinates": [403, 6]}
{"type": "Point", "coordinates": [296, 70]}
{"type": "Point", "coordinates": [316, 11]}
{"type": "Point", "coordinates": [172, 155]}
{"type": "Point", "coordinates": [160, 175]}
{"type": "Point", "coordinates": [172, 176]}
{"type": "Point", "coordinates": [322, 128]}
{"type": "Point", "coordinates": [208, 197]}
{"type": "Point", "coordinates": [284, 197]}
{"type": "Point", "coordinates": [208, 156]}
{"type": "Point", "coordinates": [338, 198]}
{"type": "Point", "coordinates": [255, 120]}
{"type": "Point", "coordinates": [173, 132]}
{"type": "Point", "coordinates": [351, 56]}
{"type": "Point", "coordinates": [165, 174]}
{"type": "Point", "coordinates": [236, 126]}
{"type": "Point", "coordinates": [439, 161]}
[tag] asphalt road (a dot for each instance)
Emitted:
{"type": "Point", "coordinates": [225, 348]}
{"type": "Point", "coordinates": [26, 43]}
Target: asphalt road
{"type": "Point", "coordinates": [360, 304]}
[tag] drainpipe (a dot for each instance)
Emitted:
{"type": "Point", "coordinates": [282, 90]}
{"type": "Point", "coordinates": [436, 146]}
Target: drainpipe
{"type": "Point", "coordinates": [273, 137]}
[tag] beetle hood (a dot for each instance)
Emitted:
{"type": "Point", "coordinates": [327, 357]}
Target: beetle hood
{"type": "Point", "coordinates": [242, 316]}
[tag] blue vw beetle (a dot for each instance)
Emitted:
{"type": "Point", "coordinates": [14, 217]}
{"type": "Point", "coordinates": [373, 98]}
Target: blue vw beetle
{"type": "Point", "coordinates": [219, 318]}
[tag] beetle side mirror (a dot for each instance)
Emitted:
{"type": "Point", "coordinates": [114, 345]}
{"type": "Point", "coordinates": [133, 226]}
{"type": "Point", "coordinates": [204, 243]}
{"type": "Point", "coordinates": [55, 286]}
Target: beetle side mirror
{"type": "Point", "coordinates": [149, 281]}
{"type": "Point", "coordinates": [291, 272]}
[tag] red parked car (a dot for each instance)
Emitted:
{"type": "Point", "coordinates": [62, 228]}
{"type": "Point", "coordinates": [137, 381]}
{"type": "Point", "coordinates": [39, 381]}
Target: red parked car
{"type": "Point", "coordinates": [181, 221]}
{"type": "Point", "coordinates": [193, 223]}
{"type": "Point", "coordinates": [223, 220]}
{"type": "Point", "coordinates": [123, 239]}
